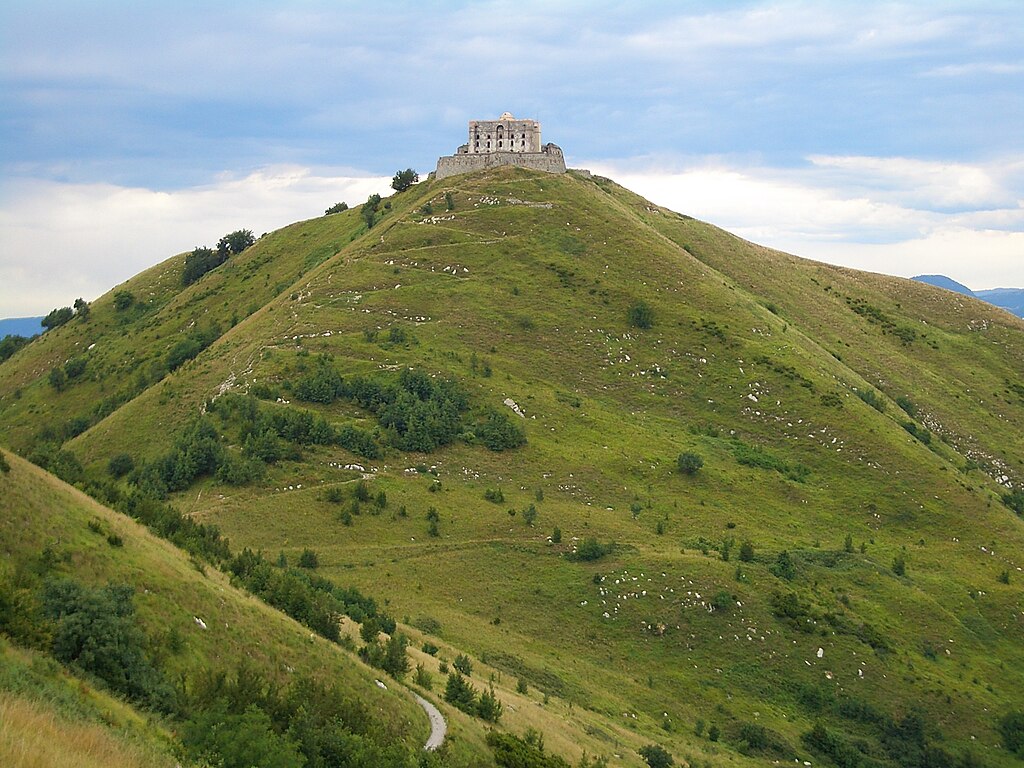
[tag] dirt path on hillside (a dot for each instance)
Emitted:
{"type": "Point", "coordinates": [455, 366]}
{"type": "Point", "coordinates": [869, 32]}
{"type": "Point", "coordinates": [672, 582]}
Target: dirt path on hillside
{"type": "Point", "coordinates": [438, 727]}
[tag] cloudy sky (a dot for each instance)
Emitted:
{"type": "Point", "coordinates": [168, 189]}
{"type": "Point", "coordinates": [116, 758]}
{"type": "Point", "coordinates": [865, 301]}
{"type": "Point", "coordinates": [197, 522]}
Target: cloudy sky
{"type": "Point", "coordinates": [884, 136]}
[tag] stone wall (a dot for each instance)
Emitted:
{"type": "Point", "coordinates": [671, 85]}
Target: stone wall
{"type": "Point", "coordinates": [549, 160]}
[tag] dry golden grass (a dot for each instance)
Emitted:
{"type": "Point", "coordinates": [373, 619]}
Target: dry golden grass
{"type": "Point", "coordinates": [33, 737]}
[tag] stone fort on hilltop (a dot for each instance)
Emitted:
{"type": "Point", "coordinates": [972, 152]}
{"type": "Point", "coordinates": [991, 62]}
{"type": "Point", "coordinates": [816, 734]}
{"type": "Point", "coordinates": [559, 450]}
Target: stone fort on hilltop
{"type": "Point", "coordinates": [505, 141]}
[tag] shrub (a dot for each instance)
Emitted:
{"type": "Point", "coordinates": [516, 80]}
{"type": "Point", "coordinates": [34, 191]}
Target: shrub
{"type": "Point", "coordinates": [530, 514]}
{"type": "Point", "coordinates": [907, 405]}
{"type": "Point", "coordinates": [556, 535]}
{"type": "Point", "coordinates": [753, 456]}
{"type": "Point", "coordinates": [513, 752]}
{"type": "Point", "coordinates": [899, 565]}
{"type": "Point", "coordinates": [1011, 728]}
{"type": "Point", "coordinates": [689, 463]}
{"type": "Point", "coordinates": [721, 602]}
{"type": "Point", "coordinates": [499, 432]}
{"type": "Point", "coordinates": [872, 398]}
{"type": "Point", "coordinates": [920, 433]}
{"type": "Point", "coordinates": [430, 649]}
{"type": "Point", "coordinates": [336, 208]}
{"type": "Point", "coordinates": [656, 756]}
{"type": "Point", "coordinates": [463, 664]}
{"type": "Point", "coordinates": [199, 262]}
{"type": "Point", "coordinates": [11, 344]}
{"type": "Point", "coordinates": [308, 559]}
{"type": "Point", "coordinates": [1015, 501]}
{"type": "Point", "coordinates": [831, 400]}
{"type": "Point", "coordinates": [494, 495]}
{"type": "Point", "coordinates": [784, 567]}
{"type": "Point", "coordinates": [640, 315]}
{"type": "Point", "coordinates": [422, 678]}
{"type": "Point", "coordinates": [233, 740]}
{"type": "Point", "coordinates": [95, 629]}
{"type": "Point", "coordinates": [123, 300]}
{"type": "Point", "coordinates": [369, 210]}
{"type": "Point", "coordinates": [590, 549]}
{"type": "Point", "coordinates": [58, 379]}
{"type": "Point", "coordinates": [57, 317]}
{"type": "Point", "coordinates": [120, 464]}
{"type": "Point", "coordinates": [746, 552]}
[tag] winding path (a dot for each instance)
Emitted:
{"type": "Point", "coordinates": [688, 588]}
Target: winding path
{"type": "Point", "coordinates": [438, 727]}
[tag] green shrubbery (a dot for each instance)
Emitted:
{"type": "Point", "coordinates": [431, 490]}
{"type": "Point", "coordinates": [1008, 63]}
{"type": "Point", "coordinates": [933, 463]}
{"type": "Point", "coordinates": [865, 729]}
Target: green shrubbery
{"type": "Point", "coordinates": [195, 342]}
{"type": "Point", "coordinates": [461, 694]}
{"type": "Point", "coordinates": [872, 398]}
{"type": "Point", "coordinates": [753, 456]}
{"type": "Point", "coordinates": [95, 629]}
{"type": "Point", "coordinates": [499, 432]}
{"type": "Point", "coordinates": [416, 411]}
{"type": "Point", "coordinates": [590, 549]}
{"type": "Point", "coordinates": [11, 344]}
{"type": "Point", "coordinates": [513, 752]}
{"type": "Point", "coordinates": [57, 317]}
{"type": "Point", "coordinates": [689, 463]}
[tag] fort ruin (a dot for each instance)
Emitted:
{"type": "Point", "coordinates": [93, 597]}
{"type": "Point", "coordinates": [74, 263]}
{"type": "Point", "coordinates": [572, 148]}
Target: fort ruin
{"type": "Point", "coordinates": [505, 141]}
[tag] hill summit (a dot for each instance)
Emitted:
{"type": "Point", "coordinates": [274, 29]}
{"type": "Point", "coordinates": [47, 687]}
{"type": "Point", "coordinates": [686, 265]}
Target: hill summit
{"type": "Point", "coordinates": [646, 485]}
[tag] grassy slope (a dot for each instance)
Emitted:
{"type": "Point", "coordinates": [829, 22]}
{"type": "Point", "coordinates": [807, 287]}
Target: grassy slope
{"type": "Point", "coordinates": [541, 292]}
{"type": "Point", "coordinates": [41, 511]}
{"type": "Point", "coordinates": [51, 718]}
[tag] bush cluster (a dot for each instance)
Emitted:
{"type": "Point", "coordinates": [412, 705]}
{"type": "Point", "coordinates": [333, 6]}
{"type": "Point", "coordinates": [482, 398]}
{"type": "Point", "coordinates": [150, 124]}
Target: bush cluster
{"type": "Point", "coordinates": [306, 597]}
{"type": "Point", "coordinates": [460, 693]}
{"type": "Point", "coordinates": [590, 549]}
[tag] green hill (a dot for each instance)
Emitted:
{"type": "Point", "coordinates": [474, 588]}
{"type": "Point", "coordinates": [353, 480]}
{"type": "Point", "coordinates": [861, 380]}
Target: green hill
{"type": "Point", "coordinates": [838, 581]}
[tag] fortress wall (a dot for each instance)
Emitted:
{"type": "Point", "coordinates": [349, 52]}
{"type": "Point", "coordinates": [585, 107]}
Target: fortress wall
{"type": "Point", "coordinates": [550, 160]}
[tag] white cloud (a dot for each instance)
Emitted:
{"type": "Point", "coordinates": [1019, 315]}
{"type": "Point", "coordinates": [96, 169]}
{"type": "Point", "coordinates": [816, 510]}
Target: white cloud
{"type": "Point", "coordinates": [891, 215]}
{"type": "Point", "coordinates": [60, 241]}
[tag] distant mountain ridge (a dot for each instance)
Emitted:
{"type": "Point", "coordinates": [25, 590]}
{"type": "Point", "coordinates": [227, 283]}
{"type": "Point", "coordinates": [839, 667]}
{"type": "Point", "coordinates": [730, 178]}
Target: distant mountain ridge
{"type": "Point", "coordinates": [21, 326]}
{"type": "Point", "coordinates": [1010, 299]}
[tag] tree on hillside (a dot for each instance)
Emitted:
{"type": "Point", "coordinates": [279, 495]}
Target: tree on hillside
{"type": "Point", "coordinates": [57, 317]}
{"type": "Point", "coordinates": [199, 262]}
{"type": "Point", "coordinates": [369, 210]}
{"type": "Point", "coordinates": [234, 243]}
{"type": "Point", "coordinates": [123, 300]}
{"type": "Point", "coordinates": [81, 308]}
{"type": "Point", "coordinates": [11, 344]}
{"type": "Point", "coordinates": [656, 756]}
{"type": "Point", "coordinates": [404, 179]}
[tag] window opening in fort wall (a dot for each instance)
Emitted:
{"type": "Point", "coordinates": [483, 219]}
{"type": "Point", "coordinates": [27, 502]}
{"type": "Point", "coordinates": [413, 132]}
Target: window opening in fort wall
{"type": "Point", "coordinates": [505, 141]}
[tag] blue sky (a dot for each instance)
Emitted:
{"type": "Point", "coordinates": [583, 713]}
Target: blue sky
{"type": "Point", "coordinates": [885, 136]}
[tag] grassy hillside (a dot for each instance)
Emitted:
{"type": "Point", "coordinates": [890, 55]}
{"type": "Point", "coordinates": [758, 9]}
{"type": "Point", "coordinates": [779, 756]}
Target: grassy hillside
{"type": "Point", "coordinates": [54, 531]}
{"type": "Point", "coordinates": [840, 580]}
